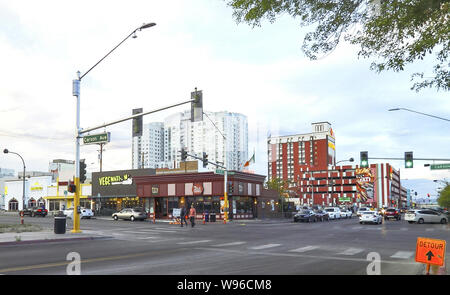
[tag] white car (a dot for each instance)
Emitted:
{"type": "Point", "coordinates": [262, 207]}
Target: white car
{"type": "Point", "coordinates": [346, 213]}
{"type": "Point", "coordinates": [361, 210]}
{"type": "Point", "coordinates": [85, 213]}
{"type": "Point", "coordinates": [333, 212]}
{"type": "Point", "coordinates": [425, 215]}
{"type": "Point", "coordinates": [370, 217]}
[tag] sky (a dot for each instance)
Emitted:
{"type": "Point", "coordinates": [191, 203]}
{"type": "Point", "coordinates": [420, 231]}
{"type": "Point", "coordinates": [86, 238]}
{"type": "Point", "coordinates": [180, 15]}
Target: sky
{"type": "Point", "coordinates": [260, 72]}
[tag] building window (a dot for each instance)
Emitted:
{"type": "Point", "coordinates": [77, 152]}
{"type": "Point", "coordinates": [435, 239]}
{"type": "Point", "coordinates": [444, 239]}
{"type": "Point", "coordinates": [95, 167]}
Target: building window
{"type": "Point", "coordinates": [13, 205]}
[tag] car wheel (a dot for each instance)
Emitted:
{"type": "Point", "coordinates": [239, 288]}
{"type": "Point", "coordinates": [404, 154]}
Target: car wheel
{"type": "Point", "coordinates": [115, 217]}
{"type": "Point", "coordinates": [443, 221]}
{"type": "Point", "coordinates": [132, 218]}
{"type": "Point", "coordinates": [421, 221]}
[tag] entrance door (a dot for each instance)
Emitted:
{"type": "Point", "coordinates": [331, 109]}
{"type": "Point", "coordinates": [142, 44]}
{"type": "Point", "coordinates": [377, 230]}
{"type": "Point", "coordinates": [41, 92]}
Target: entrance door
{"type": "Point", "coordinates": [161, 207]}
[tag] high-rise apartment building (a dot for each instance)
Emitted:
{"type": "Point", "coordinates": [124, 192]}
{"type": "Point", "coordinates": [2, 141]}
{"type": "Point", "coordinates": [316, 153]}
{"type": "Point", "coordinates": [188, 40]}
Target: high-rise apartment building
{"type": "Point", "coordinates": [161, 142]}
{"type": "Point", "coordinates": [288, 154]}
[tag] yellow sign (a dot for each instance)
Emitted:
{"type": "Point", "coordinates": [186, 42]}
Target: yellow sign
{"type": "Point", "coordinates": [430, 251]}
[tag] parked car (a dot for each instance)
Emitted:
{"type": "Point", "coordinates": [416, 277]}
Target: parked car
{"type": "Point", "coordinates": [346, 213]}
{"type": "Point", "coordinates": [370, 217]}
{"type": "Point", "coordinates": [305, 215]}
{"type": "Point", "coordinates": [393, 213]}
{"type": "Point", "coordinates": [130, 213]}
{"type": "Point", "coordinates": [361, 210]}
{"type": "Point", "coordinates": [322, 215]}
{"type": "Point", "coordinates": [84, 213]}
{"type": "Point", "coordinates": [35, 211]}
{"type": "Point", "coordinates": [333, 212]}
{"type": "Point", "coordinates": [425, 215]}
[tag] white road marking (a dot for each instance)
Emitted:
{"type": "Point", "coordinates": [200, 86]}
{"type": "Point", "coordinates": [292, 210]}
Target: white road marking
{"type": "Point", "coordinates": [265, 246]}
{"type": "Point", "coordinates": [403, 254]}
{"type": "Point", "coordinates": [429, 229]}
{"type": "Point", "coordinates": [404, 228]}
{"type": "Point", "coordinates": [194, 242]}
{"type": "Point", "coordinates": [304, 249]}
{"type": "Point", "coordinates": [357, 227]}
{"type": "Point", "coordinates": [351, 251]}
{"type": "Point", "coordinates": [147, 238]}
{"type": "Point", "coordinates": [229, 244]}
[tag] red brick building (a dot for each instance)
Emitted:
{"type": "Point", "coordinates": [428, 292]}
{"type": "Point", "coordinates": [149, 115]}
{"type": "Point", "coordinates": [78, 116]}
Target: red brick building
{"type": "Point", "coordinates": [307, 162]}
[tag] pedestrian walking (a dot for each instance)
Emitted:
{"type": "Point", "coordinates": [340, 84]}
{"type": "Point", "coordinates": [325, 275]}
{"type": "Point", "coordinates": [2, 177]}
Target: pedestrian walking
{"type": "Point", "coordinates": [192, 214]}
{"type": "Point", "coordinates": [183, 214]}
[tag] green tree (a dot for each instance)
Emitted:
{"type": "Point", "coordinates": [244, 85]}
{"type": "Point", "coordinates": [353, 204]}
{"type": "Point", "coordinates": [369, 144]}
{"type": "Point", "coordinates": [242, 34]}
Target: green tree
{"type": "Point", "coordinates": [278, 184]}
{"type": "Point", "coordinates": [444, 197]}
{"type": "Point", "coordinates": [394, 32]}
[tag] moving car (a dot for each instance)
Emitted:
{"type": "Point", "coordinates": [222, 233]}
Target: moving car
{"type": "Point", "coordinates": [322, 215]}
{"type": "Point", "coordinates": [84, 213]}
{"type": "Point", "coordinates": [346, 213]}
{"type": "Point", "coordinates": [131, 214]}
{"type": "Point", "coordinates": [35, 211]}
{"type": "Point", "coordinates": [425, 215]}
{"type": "Point", "coordinates": [305, 215]}
{"type": "Point", "coordinates": [361, 210]}
{"type": "Point", "coordinates": [370, 217]}
{"type": "Point", "coordinates": [393, 213]}
{"type": "Point", "coordinates": [333, 212]}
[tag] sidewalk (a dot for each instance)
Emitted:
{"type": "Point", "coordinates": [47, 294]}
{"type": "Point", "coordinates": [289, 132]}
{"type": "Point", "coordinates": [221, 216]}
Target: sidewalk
{"type": "Point", "coordinates": [47, 236]}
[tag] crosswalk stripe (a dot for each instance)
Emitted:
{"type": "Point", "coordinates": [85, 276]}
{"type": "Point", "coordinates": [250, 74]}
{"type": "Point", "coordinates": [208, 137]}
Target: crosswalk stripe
{"type": "Point", "coordinates": [351, 251]}
{"type": "Point", "coordinates": [403, 254]}
{"type": "Point", "coordinates": [265, 246]}
{"type": "Point", "coordinates": [229, 244]}
{"type": "Point", "coordinates": [147, 238]}
{"type": "Point", "coordinates": [194, 242]}
{"type": "Point", "coordinates": [304, 249]}
{"type": "Point", "coordinates": [430, 229]}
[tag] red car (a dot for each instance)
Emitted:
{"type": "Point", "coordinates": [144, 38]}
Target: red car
{"type": "Point", "coordinates": [34, 211]}
{"type": "Point", "coordinates": [393, 213]}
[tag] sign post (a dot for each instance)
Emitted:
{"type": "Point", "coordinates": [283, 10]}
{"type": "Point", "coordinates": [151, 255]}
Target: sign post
{"type": "Point", "coordinates": [430, 251]}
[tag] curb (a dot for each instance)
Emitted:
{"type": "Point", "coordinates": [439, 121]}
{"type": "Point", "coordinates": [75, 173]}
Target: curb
{"type": "Point", "coordinates": [30, 242]}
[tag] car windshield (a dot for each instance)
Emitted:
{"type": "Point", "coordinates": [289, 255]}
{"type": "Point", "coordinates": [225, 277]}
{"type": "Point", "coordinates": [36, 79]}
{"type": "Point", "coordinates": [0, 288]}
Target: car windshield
{"type": "Point", "coordinates": [368, 213]}
{"type": "Point", "coordinates": [329, 210]}
{"type": "Point", "coordinates": [304, 212]}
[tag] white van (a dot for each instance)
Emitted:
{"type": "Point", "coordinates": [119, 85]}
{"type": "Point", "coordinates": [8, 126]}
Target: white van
{"type": "Point", "coordinates": [333, 212]}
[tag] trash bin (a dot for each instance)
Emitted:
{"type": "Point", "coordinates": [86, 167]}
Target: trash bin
{"type": "Point", "coordinates": [60, 223]}
{"type": "Point", "coordinates": [213, 217]}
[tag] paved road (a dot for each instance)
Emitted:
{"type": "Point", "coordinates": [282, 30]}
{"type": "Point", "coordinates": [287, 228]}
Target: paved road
{"type": "Point", "coordinates": [238, 248]}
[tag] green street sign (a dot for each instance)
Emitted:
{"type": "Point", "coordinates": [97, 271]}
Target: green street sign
{"type": "Point", "coordinates": [96, 138]}
{"type": "Point", "coordinates": [439, 166]}
{"type": "Point", "coordinates": [345, 199]}
{"type": "Point", "coordinates": [222, 172]}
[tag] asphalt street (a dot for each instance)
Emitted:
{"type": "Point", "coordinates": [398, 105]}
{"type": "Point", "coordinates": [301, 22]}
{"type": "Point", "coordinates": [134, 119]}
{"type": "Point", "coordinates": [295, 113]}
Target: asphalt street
{"type": "Point", "coordinates": [267, 247]}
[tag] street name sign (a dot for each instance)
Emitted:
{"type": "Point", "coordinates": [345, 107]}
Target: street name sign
{"type": "Point", "coordinates": [440, 166]}
{"type": "Point", "coordinates": [222, 172]}
{"type": "Point", "coordinates": [430, 251]}
{"type": "Point", "coordinates": [96, 138]}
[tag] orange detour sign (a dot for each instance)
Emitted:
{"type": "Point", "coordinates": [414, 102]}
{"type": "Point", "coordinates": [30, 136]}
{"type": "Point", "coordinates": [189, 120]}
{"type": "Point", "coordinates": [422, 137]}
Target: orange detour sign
{"type": "Point", "coordinates": [430, 251]}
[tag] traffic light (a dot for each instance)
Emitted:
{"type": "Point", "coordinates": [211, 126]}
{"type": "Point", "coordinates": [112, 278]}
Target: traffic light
{"type": "Point", "coordinates": [82, 171]}
{"type": "Point", "coordinates": [230, 188]}
{"type": "Point", "coordinates": [196, 106]}
{"type": "Point", "coordinates": [205, 160]}
{"type": "Point", "coordinates": [364, 159]}
{"type": "Point", "coordinates": [71, 188]}
{"type": "Point", "coordinates": [409, 160]}
{"type": "Point", "coordinates": [183, 155]}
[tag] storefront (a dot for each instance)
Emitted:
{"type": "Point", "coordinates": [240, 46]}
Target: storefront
{"type": "Point", "coordinates": [160, 194]}
{"type": "Point", "coordinates": [114, 190]}
{"type": "Point", "coordinates": [59, 199]}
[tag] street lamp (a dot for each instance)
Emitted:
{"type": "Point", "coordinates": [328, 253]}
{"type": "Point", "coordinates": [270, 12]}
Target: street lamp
{"type": "Point", "coordinates": [349, 160]}
{"type": "Point", "coordinates": [76, 92]}
{"type": "Point", "coordinates": [398, 109]}
{"type": "Point", "coordinates": [6, 151]}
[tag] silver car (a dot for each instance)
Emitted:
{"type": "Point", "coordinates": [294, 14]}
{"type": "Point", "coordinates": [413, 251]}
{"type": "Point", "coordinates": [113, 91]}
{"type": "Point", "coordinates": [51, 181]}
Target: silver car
{"type": "Point", "coordinates": [131, 214]}
{"type": "Point", "coordinates": [425, 215]}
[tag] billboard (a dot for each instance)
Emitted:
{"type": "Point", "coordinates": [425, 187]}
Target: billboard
{"type": "Point", "coordinates": [365, 178]}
